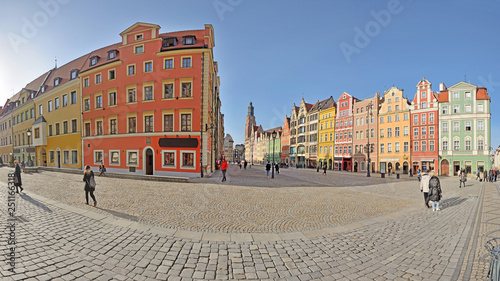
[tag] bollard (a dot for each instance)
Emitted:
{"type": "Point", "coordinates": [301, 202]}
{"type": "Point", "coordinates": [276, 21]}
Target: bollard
{"type": "Point", "coordinates": [382, 175]}
{"type": "Point", "coordinates": [397, 176]}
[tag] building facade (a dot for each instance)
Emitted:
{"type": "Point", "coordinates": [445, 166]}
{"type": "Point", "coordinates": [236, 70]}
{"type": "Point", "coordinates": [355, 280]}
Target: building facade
{"type": "Point", "coordinates": [366, 134]}
{"type": "Point", "coordinates": [465, 129]}
{"type": "Point", "coordinates": [343, 132]}
{"type": "Point", "coordinates": [228, 148]}
{"type": "Point", "coordinates": [424, 128]}
{"type": "Point", "coordinates": [394, 133]}
{"type": "Point", "coordinates": [326, 134]}
{"type": "Point", "coordinates": [285, 142]}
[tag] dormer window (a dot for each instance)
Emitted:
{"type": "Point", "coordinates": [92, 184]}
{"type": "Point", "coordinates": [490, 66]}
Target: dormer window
{"type": "Point", "coordinates": [112, 54]}
{"type": "Point", "coordinates": [169, 42]}
{"type": "Point", "coordinates": [93, 60]}
{"type": "Point", "coordinates": [73, 74]}
{"type": "Point", "coordinates": [57, 81]}
{"type": "Point", "coordinates": [188, 40]}
{"type": "Point", "coordinates": [138, 37]}
{"type": "Point", "coordinates": [43, 88]}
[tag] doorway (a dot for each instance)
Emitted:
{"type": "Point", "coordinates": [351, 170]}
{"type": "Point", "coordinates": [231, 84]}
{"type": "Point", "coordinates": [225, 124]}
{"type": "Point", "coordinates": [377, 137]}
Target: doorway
{"type": "Point", "coordinates": [58, 159]}
{"type": "Point", "coordinates": [456, 167]}
{"type": "Point", "coordinates": [149, 161]}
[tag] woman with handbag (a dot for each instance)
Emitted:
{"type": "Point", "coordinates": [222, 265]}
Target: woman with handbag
{"type": "Point", "coordinates": [88, 178]}
{"type": "Point", "coordinates": [17, 177]}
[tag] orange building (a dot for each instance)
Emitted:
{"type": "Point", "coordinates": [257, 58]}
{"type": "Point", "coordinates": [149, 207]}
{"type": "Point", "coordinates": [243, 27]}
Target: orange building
{"type": "Point", "coordinates": [151, 103]}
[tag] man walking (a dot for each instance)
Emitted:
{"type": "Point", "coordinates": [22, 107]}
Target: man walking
{"type": "Point", "coordinates": [223, 167]}
{"type": "Point", "coordinates": [17, 177]}
{"type": "Point", "coordinates": [268, 168]}
{"type": "Point", "coordinates": [424, 187]}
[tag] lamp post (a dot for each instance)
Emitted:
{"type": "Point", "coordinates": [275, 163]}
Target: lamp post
{"type": "Point", "coordinates": [368, 114]}
{"type": "Point", "coordinates": [28, 133]}
{"type": "Point", "coordinates": [274, 138]}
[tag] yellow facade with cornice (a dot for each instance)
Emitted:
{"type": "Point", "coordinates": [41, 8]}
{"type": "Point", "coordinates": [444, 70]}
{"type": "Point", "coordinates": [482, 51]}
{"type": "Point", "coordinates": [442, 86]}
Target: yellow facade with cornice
{"type": "Point", "coordinates": [326, 144]}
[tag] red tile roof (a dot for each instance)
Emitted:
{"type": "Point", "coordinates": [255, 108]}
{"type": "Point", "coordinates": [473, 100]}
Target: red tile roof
{"type": "Point", "coordinates": [443, 96]}
{"type": "Point", "coordinates": [482, 94]}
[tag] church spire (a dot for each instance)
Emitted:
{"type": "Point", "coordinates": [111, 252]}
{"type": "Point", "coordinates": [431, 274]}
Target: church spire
{"type": "Point", "coordinates": [250, 109]}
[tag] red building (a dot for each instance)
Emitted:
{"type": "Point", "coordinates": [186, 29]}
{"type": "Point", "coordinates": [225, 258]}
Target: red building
{"type": "Point", "coordinates": [343, 132]}
{"type": "Point", "coordinates": [285, 141]}
{"type": "Point", "coordinates": [151, 103]}
{"type": "Point", "coordinates": [424, 128]}
{"type": "Point", "coordinates": [365, 130]}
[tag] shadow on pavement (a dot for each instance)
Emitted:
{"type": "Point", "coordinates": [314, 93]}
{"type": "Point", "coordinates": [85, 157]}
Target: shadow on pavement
{"type": "Point", "coordinates": [120, 215]}
{"type": "Point", "coordinates": [453, 201]}
{"type": "Point", "coordinates": [39, 204]}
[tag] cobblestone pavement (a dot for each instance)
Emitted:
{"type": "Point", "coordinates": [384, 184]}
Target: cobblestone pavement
{"type": "Point", "coordinates": [377, 231]}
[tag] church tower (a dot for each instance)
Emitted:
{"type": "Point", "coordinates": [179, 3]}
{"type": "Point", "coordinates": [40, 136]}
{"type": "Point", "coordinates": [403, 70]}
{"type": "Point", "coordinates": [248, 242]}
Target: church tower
{"type": "Point", "coordinates": [250, 123]}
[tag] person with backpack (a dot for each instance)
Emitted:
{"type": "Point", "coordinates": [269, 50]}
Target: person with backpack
{"type": "Point", "coordinates": [88, 178]}
{"type": "Point", "coordinates": [435, 192]}
{"type": "Point", "coordinates": [462, 177]}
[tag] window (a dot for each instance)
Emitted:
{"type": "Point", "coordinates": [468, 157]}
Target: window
{"type": "Point", "coordinates": [445, 110]}
{"type": "Point", "coordinates": [97, 156]}
{"type": "Point", "coordinates": [51, 156]}
{"type": "Point", "coordinates": [169, 63]}
{"type": "Point", "coordinates": [467, 108]}
{"type": "Point", "coordinates": [423, 105]}
{"type": "Point", "coordinates": [112, 126]}
{"type": "Point", "coordinates": [186, 90]}
{"type": "Point", "coordinates": [480, 125]}
{"type": "Point", "coordinates": [131, 95]}
{"type": "Point", "coordinates": [132, 157]}
{"type": "Point", "coordinates": [456, 95]}
{"type": "Point", "coordinates": [148, 124]}
{"type": "Point", "coordinates": [480, 145]}
{"type": "Point", "coordinates": [169, 158]}
{"type": "Point", "coordinates": [389, 134]}
{"type": "Point", "coordinates": [86, 104]}
{"type": "Point", "coordinates": [98, 102]}
{"type": "Point", "coordinates": [389, 118]}
{"type": "Point", "coordinates": [424, 146]}
{"type": "Point", "coordinates": [93, 60]}
{"type": "Point", "coordinates": [56, 102]}
{"type": "Point", "coordinates": [423, 118]}
{"type": "Point", "coordinates": [456, 109]}
{"type": "Point", "coordinates": [189, 40]}
{"type": "Point", "coordinates": [73, 74]}
{"type": "Point", "coordinates": [132, 124]}
{"type": "Point", "coordinates": [389, 109]}
{"type": "Point", "coordinates": [98, 79]}
{"type": "Point", "coordinates": [37, 133]}
{"type": "Point", "coordinates": [74, 157]}
{"type": "Point", "coordinates": [49, 106]}
{"type": "Point", "coordinates": [396, 132]}
{"type": "Point", "coordinates": [423, 132]}
{"type": "Point", "coordinates": [188, 159]}
{"type": "Point", "coordinates": [445, 127]}
{"type": "Point", "coordinates": [87, 129]}
{"type": "Point", "coordinates": [186, 122]}
{"type": "Point", "coordinates": [114, 158]}
{"type": "Point", "coordinates": [396, 107]}
{"type": "Point", "coordinates": [389, 100]}
{"type": "Point", "coordinates": [456, 145]}
{"type": "Point", "coordinates": [415, 132]}
{"type": "Point", "coordinates": [148, 93]}
{"type": "Point", "coordinates": [112, 98]}
{"type": "Point", "coordinates": [148, 66]}
{"type": "Point", "coordinates": [111, 74]}
{"type": "Point", "coordinates": [415, 119]}
{"type": "Point", "coordinates": [73, 97]}
{"type": "Point", "coordinates": [405, 116]}
{"type": "Point", "coordinates": [480, 107]}
{"type": "Point", "coordinates": [169, 42]}
{"type": "Point", "coordinates": [65, 100]}
{"type": "Point", "coordinates": [431, 131]}
{"type": "Point", "coordinates": [131, 70]}
{"type": "Point", "coordinates": [66, 157]}
{"type": "Point", "coordinates": [467, 144]}
{"type": "Point", "coordinates": [40, 109]}
{"type": "Point", "coordinates": [186, 62]}
{"type": "Point", "coordinates": [56, 82]}
{"type": "Point", "coordinates": [65, 127]}
{"type": "Point", "coordinates": [467, 94]}
{"type": "Point", "coordinates": [139, 49]}
{"type": "Point", "coordinates": [396, 117]}
{"type": "Point", "coordinates": [468, 126]}
{"type": "Point", "coordinates": [381, 133]}
{"type": "Point", "coordinates": [445, 145]}
{"type": "Point", "coordinates": [138, 37]}
{"type": "Point", "coordinates": [431, 118]}
{"type": "Point", "coordinates": [112, 54]}
{"type": "Point", "coordinates": [74, 126]}
{"type": "Point", "coordinates": [431, 145]}
{"type": "Point", "coordinates": [98, 128]}
{"type": "Point", "coordinates": [168, 122]}
{"type": "Point", "coordinates": [456, 126]}
{"type": "Point", "coordinates": [58, 131]}
{"type": "Point", "coordinates": [382, 148]}
{"type": "Point", "coordinates": [396, 147]}
{"type": "Point", "coordinates": [405, 147]}
{"type": "Point", "coordinates": [415, 146]}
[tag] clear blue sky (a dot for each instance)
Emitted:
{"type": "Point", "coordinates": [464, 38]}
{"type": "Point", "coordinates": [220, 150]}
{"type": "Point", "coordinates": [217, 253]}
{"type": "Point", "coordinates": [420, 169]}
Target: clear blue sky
{"type": "Point", "coordinates": [273, 53]}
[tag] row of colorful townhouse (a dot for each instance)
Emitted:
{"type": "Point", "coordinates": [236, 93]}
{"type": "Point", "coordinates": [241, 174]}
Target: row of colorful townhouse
{"type": "Point", "coordinates": [147, 105]}
{"type": "Point", "coordinates": [444, 131]}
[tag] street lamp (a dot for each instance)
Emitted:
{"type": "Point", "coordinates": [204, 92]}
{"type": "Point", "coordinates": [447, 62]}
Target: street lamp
{"type": "Point", "coordinates": [368, 114]}
{"type": "Point", "coordinates": [274, 138]}
{"type": "Point", "coordinates": [28, 133]}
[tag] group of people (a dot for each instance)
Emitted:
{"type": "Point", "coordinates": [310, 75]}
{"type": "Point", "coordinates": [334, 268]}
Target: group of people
{"type": "Point", "coordinates": [486, 175]}
{"type": "Point", "coordinates": [268, 168]}
{"type": "Point", "coordinates": [431, 188]}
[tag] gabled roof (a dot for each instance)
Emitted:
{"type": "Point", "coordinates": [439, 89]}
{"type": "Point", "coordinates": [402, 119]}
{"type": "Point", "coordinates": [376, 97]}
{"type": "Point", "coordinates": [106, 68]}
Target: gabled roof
{"type": "Point", "coordinates": [443, 96]}
{"type": "Point", "coordinates": [482, 94]}
{"type": "Point", "coordinates": [40, 120]}
{"type": "Point", "coordinates": [139, 26]}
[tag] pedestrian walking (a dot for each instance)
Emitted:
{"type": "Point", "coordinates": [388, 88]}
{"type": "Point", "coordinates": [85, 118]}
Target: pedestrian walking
{"type": "Point", "coordinates": [490, 179]}
{"type": "Point", "coordinates": [317, 168]}
{"type": "Point", "coordinates": [419, 176]}
{"type": "Point", "coordinates": [245, 165]}
{"type": "Point", "coordinates": [240, 165]}
{"type": "Point", "coordinates": [462, 176]}
{"type": "Point", "coordinates": [496, 174]}
{"type": "Point", "coordinates": [268, 168]}
{"type": "Point", "coordinates": [88, 178]}
{"type": "Point", "coordinates": [435, 192]}
{"type": "Point", "coordinates": [223, 167]}
{"type": "Point", "coordinates": [411, 172]}
{"type": "Point", "coordinates": [485, 175]}
{"type": "Point", "coordinates": [102, 169]}
{"type": "Point", "coordinates": [277, 167]}
{"type": "Point", "coordinates": [424, 187]}
{"type": "Point", "coordinates": [324, 169]}
{"type": "Point", "coordinates": [17, 177]}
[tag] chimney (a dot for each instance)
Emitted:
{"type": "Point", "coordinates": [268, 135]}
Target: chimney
{"type": "Point", "coordinates": [442, 87]}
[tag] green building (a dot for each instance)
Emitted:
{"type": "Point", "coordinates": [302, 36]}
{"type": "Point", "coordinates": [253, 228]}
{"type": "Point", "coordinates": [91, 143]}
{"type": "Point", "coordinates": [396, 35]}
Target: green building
{"type": "Point", "coordinates": [464, 129]}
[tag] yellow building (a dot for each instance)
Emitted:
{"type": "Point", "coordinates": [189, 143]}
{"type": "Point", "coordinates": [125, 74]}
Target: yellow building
{"type": "Point", "coordinates": [22, 117]}
{"type": "Point", "coordinates": [6, 144]}
{"type": "Point", "coordinates": [57, 129]}
{"type": "Point", "coordinates": [394, 132]}
{"type": "Point", "coordinates": [326, 135]}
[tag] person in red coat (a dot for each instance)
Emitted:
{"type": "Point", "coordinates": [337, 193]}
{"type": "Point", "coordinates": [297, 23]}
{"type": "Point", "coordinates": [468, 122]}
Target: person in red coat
{"type": "Point", "coordinates": [223, 167]}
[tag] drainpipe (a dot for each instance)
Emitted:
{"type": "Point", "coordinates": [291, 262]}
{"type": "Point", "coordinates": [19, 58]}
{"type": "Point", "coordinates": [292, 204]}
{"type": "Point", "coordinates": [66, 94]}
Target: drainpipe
{"type": "Point", "coordinates": [201, 112]}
